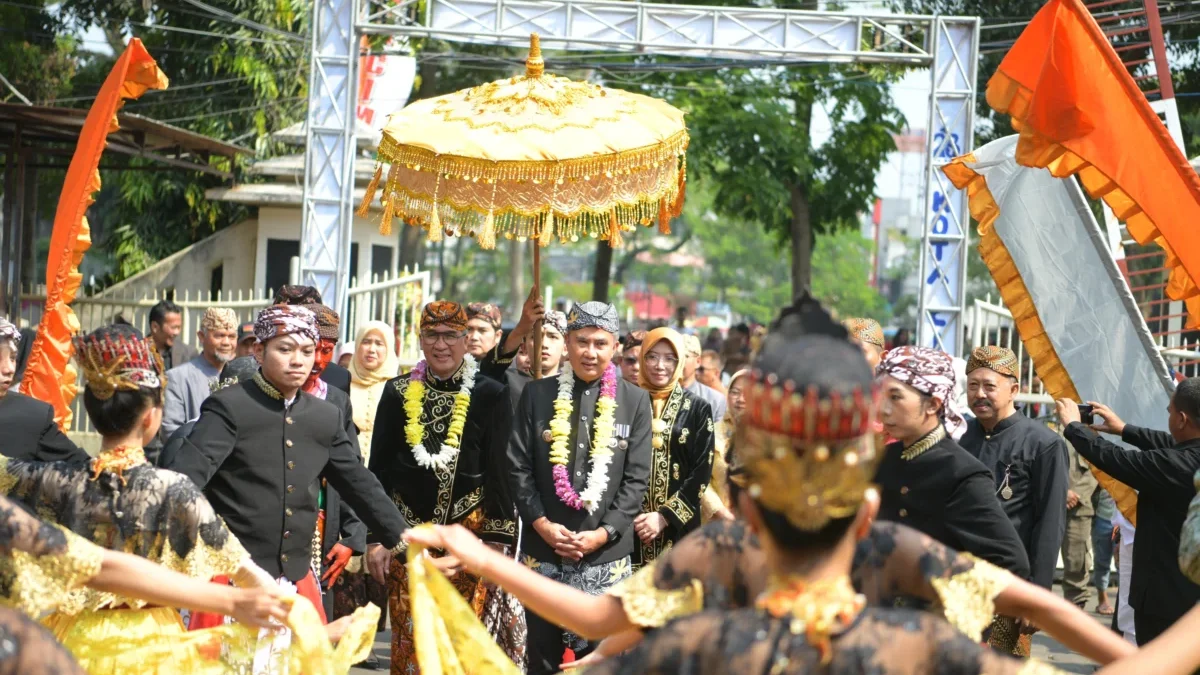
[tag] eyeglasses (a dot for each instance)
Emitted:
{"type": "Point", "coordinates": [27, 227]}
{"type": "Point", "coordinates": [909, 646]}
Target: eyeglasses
{"type": "Point", "coordinates": [668, 361]}
{"type": "Point", "coordinates": [449, 339]}
{"type": "Point", "coordinates": [701, 369]}
{"type": "Point", "coordinates": [631, 360]}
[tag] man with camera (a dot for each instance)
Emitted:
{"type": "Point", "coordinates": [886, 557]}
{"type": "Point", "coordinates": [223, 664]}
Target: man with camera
{"type": "Point", "coordinates": [1162, 474]}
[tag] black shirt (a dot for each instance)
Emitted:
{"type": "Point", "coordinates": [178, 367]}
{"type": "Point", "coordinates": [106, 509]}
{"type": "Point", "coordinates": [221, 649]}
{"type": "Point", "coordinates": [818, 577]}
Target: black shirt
{"type": "Point", "coordinates": [1029, 464]}
{"type": "Point", "coordinates": [28, 431]}
{"type": "Point", "coordinates": [532, 481]}
{"type": "Point", "coordinates": [949, 495]}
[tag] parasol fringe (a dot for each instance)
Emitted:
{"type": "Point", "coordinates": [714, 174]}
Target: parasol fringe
{"type": "Point", "coordinates": [677, 206]}
{"type": "Point", "coordinates": [664, 217]}
{"type": "Point", "coordinates": [547, 233]}
{"type": "Point", "coordinates": [614, 231]}
{"type": "Point", "coordinates": [435, 225]}
{"type": "Point", "coordinates": [385, 223]}
{"type": "Point", "coordinates": [364, 207]}
{"type": "Point", "coordinates": [487, 233]}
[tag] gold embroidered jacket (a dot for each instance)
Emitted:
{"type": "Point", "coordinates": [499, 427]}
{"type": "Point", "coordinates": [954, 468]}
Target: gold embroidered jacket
{"type": "Point", "coordinates": [475, 481]}
{"type": "Point", "coordinates": [680, 470]}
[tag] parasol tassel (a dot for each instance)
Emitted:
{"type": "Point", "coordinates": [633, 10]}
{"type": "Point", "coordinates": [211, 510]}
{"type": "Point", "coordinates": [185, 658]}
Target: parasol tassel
{"type": "Point", "coordinates": [364, 208]}
{"type": "Point", "coordinates": [435, 225]}
{"type": "Point", "coordinates": [664, 217]}
{"type": "Point", "coordinates": [385, 223]}
{"type": "Point", "coordinates": [677, 207]}
{"type": "Point", "coordinates": [614, 231]}
{"type": "Point", "coordinates": [487, 235]}
{"type": "Point", "coordinates": [547, 230]}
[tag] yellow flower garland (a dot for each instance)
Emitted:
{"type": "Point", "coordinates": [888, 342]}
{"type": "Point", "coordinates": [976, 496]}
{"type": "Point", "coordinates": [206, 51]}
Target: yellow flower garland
{"type": "Point", "coordinates": [414, 404]}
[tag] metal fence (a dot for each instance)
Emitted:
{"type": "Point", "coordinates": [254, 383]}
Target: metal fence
{"type": "Point", "coordinates": [989, 323]}
{"type": "Point", "coordinates": [393, 299]}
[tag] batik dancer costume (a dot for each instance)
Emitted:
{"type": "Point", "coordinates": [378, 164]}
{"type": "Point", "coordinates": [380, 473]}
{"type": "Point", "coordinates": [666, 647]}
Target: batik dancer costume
{"type": "Point", "coordinates": [808, 459]}
{"type": "Point", "coordinates": [123, 503]}
{"type": "Point", "coordinates": [580, 452]}
{"type": "Point", "coordinates": [682, 438]}
{"type": "Point", "coordinates": [1029, 463]}
{"type": "Point", "coordinates": [260, 460]}
{"type": "Point", "coordinates": [438, 449]}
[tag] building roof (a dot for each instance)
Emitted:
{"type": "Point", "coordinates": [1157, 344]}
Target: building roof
{"type": "Point", "coordinates": [292, 166]}
{"type": "Point", "coordinates": [138, 136]}
{"type": "Point", "coordinates": [365, 137]}
{"type": "Point", "coordinates": [270, 194]}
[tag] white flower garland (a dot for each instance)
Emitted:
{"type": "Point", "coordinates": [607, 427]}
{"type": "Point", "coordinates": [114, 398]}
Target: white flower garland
{"type": "Point", "coordinates": [414, 400]}
{"type": "Point", "coordinates": [603, 440]}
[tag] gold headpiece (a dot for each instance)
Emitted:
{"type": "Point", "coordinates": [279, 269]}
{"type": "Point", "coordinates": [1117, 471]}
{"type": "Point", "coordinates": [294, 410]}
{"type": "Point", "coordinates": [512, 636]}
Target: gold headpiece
{"type": "Point", "coordinates": [865, 330]}
{"type": "Point", "coordinates": [115, 363]}
{"type": "Point", "coordinates": [808, 457]}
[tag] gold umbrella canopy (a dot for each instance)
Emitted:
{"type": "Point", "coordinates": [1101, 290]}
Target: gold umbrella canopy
{"type": "Point", "coordinates": [538, 156]}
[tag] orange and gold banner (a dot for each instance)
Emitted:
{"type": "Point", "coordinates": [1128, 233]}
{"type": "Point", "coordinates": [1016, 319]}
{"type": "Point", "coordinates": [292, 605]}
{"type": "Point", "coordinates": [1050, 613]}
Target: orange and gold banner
{"type": "Point", "coordinates": [50, 377]}
{"type": "Point", "coordinates": [1079, 111]}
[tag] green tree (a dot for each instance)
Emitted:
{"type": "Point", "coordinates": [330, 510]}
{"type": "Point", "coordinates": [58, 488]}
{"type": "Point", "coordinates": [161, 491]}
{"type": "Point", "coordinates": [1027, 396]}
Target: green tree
{"type": "Point", "coordinates": [842, 273]}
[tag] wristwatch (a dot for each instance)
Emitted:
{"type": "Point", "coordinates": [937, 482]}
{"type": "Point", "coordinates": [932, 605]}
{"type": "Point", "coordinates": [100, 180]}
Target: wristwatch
{"type": "Point", "coordinates": [613, 535]}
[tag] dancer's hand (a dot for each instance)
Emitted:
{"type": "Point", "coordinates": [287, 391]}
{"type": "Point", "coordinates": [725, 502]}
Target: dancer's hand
{"type": "Point", "coordinates": [379, 560]}
{"type": "Point", "coordinates": [336, 630]}
{"type": "Point", "coordinates": [447, 565]}
{"type": "Point", "coordinates": [649, 525]}
{"type": "Point", "coordinates": [259, 607]}
{"type": "Point", "coordinates": [337, 559]}
{"type": "Point", "coordinates": [460, 543]}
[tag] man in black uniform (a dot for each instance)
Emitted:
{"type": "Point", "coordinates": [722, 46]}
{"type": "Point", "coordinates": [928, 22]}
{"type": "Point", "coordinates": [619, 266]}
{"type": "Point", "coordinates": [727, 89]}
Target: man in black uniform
{"type": "Point", "coordinates": [1162, 473]}
{"type": "Point", "coordinates": [29, 431]}
{"type": "Point", "coordinates": [435, 471]}
{"type": "Point", "coordinates": [1027, 459]}
{"type": "Point", "coordinates": [261, 448]}
{"type": "Point", "coordinates": [579, 475]}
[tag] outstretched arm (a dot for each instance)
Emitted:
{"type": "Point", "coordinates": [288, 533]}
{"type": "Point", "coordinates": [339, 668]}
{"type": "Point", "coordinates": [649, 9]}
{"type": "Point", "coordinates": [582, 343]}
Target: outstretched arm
{"type": "Point", "coordinates": [1175, 652]}
{"type": "Point", "coordinates": [1068, 624]}
{"type": "Point", "coordinates": [591, 617]}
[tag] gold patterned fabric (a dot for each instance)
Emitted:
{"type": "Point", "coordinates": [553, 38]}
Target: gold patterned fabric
{"type": "Point", "coordinates": [40, 564]}
{"type": "Point", "coordinates": [999, 359]}
{"type": "Point", "coordinates": [153, 641]}
{"type": "Point", "coordinates": [648, 606]}
{"type": "Point", "coordinates": [968, 598]}
{"type": "Point", "coordinates": [447, 637]}
{"type": "Point", "coordinates": [152, 513]}
{"type": "Point", "coordinates": [533, 156]}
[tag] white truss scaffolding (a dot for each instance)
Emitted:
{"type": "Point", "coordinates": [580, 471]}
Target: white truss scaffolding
{"type": "Point", "coordinates": [948, 46]}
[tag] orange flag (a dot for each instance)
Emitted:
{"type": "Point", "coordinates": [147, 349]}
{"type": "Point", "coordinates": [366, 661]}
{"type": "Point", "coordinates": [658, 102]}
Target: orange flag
{"type": "Point", "coordinates": [50, 377]}
{"type": "Point", "coordinates": [1079, 111]}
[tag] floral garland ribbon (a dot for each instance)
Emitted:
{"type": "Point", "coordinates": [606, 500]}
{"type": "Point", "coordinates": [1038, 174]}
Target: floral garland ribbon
{"type": "Point", "coordinates": [414, 404]}
{"type": "Point", "coordinates": [603, 440]}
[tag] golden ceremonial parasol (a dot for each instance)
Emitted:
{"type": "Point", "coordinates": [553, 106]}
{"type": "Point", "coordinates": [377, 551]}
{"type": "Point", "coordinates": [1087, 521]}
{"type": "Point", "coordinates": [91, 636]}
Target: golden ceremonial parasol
{"type": "Point", "coordinates": [534, 157]}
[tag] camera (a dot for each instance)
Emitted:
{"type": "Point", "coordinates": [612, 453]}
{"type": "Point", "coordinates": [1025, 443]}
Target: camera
{"type": "Point", "coordinates": [1087, 413]}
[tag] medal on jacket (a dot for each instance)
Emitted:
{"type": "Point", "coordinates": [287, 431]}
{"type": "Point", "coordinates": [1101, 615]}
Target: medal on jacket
{"type": "Point", "coordinates": [1006, 492]}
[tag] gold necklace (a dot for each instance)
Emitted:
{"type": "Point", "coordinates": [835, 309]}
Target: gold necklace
{"type": "Point", "coordinates": [926, 442]}
{"type": "Point", "coordinates": [117, 460]}
{"type": "Point", "coordinates": [819, 609]}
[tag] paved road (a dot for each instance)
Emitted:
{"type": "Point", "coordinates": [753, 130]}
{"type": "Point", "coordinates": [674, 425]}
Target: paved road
{"type": "Point", "coordinates": [1044, 647]}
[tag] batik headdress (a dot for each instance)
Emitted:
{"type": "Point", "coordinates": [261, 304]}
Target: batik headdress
{"type": "Point", "coordinates": [999, 359]}
{"type": "Point", "coordinates": [485, 311]}
{"type": "Point", "coordinates": [118, 358]}
{"type": "Point", "coordinates": [279, 320]}
{"type": "Point", "coordinates": [444, 313]}
{"type": "Point", "coordinates": [8, 331]}
{"type": "Point", "coordinates": [867, 331]}
{"type": "Point", "coordinates": [802, 445]}
{"type": "Point", "coordinates": [328, 322]}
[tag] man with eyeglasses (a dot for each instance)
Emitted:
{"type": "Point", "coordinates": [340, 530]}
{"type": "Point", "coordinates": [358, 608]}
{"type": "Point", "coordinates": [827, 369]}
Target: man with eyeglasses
{"type": "Point", "coordinates": [580, 468]}
{"type": "Point", "coordinates": [445, 466]}
{"type": "Point", "coordinates": [631, 356]}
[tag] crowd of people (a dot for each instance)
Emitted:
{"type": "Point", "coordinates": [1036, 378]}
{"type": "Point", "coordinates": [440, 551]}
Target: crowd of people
{"type": "Point", "coordinates": [794, 499]}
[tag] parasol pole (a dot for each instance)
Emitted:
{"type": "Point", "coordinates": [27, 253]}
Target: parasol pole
{"type": "Point", "coordinates": [536, 356]}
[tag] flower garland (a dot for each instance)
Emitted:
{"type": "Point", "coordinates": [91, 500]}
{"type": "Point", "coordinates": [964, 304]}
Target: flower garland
{"type": "Point", "coordinates": [414, 405]}
{"type": "Point", "coordinates": [602, 440]}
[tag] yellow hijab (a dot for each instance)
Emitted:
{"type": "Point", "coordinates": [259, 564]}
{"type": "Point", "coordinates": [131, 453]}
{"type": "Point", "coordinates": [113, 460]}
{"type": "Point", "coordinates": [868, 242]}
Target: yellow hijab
{"type": "Point", "coordinates": [391, 363]}
{"type": "Point", "coordinates": [660, 394]}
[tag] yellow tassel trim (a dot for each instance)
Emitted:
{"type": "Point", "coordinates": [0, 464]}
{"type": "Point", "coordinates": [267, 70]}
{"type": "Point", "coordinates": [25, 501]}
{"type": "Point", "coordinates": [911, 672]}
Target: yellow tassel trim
{"type": "Point", "coordinates": [385, 223]}
{"type": "Point", "coordinates": [364, 207]}
{"type": "Point", "coordinates": [547, 232]}
{"type": "Point", "coordinates": [664, 217]}
{"type": "Point", "coordinates": [614, 231]}
{"type": "Point", "coordinates": [435, 225]}
{"type": "Point", "coordinates": [487, 233]}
